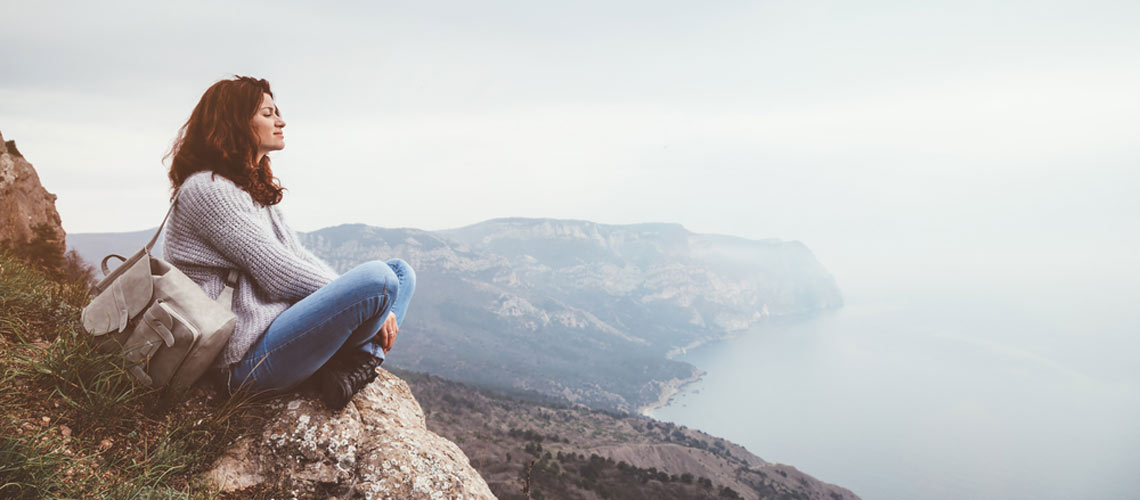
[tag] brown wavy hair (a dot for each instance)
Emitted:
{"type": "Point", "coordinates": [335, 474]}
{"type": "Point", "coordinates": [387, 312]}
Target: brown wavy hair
{"type": "Point", "coordinates": [219, 138]}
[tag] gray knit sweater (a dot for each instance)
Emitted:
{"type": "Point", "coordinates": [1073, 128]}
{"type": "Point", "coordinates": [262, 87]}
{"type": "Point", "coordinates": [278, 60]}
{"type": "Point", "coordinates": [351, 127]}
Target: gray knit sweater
{"type": "Point", "coordinates": [216, 226]}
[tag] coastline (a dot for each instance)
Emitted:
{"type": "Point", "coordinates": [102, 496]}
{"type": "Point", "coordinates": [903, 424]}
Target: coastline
{"type": "Point", "coordinates": [669, 390]}
{"type": "Point", "coordinates": [672, 387]}
{"type": "Point", "coordinates": [727, 335]}
{"type": "Point", "coordinates": [676, 351]}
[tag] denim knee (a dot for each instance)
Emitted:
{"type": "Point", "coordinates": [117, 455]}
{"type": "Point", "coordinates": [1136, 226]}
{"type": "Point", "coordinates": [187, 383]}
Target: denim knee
{"type": "Point", "coordinates": [378, 280]}
{"type": "Point", "coordinates": [405, 273]}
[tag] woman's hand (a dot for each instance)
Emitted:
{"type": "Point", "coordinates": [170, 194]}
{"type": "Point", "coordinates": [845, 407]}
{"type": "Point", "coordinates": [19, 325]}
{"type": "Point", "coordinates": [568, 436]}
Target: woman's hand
{"type": "Point", "coordinates": [387, 334]}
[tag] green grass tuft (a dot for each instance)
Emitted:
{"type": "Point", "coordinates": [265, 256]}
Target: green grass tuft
{"type": "Point", "coordinates": [28, 469]}
{"type": "Point", "coordinates": [73, 424]}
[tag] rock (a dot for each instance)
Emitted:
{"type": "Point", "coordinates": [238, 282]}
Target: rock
{"type": "Point", "coordinates": [24, 203]}
{"type": "Point", "coordinates": [377, 447]}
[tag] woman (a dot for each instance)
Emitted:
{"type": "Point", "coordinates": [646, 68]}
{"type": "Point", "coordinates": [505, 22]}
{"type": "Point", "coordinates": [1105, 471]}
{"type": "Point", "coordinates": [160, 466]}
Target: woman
{"type": "Point", "coordinates": [295, 316]}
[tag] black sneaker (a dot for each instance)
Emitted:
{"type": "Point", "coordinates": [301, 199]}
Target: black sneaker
{"type": "Point", "coordinates": [342, 377]}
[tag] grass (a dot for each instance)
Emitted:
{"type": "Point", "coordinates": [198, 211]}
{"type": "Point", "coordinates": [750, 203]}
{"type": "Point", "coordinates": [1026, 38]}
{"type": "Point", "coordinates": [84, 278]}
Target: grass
{"type": "Point", "coordinates": [73, 424]}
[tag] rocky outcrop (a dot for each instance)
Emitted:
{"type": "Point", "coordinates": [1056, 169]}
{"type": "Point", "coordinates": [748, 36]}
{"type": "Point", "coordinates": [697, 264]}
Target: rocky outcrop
{"type": "Point", "coordinates": [377, 447]}
{"type": "Point", "coordinates": [24, 203]}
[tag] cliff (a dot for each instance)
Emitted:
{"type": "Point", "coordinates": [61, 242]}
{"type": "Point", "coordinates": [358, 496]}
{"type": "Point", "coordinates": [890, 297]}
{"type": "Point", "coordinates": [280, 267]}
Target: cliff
{"type": "Point", "coordinates": [73, 425]}
{"type": "Point", "coordinates": [24, 203]}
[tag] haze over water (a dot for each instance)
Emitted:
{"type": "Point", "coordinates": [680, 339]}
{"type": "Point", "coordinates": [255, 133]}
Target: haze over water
{"type": "Point", "coordinates": [938, 391]}
{"type": "Point", "coordinates": [968, 170]}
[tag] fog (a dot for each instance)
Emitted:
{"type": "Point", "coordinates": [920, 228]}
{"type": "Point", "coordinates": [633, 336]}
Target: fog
{"type": "Point", "coordinates": [951, 148]}
{"type": "Point", "coordinates": [881, 129]}
{"type": "Point", "coordinates": [939, 396]}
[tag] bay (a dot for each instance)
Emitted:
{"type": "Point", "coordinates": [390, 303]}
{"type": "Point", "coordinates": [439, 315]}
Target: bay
{"type": "Point", "coordinates": [936, 394]}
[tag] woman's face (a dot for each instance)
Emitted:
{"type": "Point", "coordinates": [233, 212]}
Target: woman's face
{"type": "Point", "coordinates": [268, 127]}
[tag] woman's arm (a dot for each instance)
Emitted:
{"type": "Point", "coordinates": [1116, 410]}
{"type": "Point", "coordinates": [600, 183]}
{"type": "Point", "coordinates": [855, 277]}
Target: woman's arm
{"type": "Point", "coordinates": [224, 216]}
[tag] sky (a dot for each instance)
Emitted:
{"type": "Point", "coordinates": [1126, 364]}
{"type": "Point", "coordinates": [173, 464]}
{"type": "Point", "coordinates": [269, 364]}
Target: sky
{"type": "Point", "coordinates": [982, 139]}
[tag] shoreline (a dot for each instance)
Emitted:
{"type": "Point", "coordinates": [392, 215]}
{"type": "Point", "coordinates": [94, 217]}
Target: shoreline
{"type": "Point", "coordinates": [676, 351]}
{"type": "Point", "coordinates": [733, 334]}
{"type": "Point", "coordinates": [670, 389]}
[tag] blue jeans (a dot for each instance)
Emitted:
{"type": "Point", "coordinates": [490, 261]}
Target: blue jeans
{"type": "Point", "coordinates": [341, 316]}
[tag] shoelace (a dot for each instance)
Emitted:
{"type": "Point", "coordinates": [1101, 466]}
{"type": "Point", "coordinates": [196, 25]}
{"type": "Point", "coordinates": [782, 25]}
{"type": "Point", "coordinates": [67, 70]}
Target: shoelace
{"type": "Point", "coordinates": [361, 375]}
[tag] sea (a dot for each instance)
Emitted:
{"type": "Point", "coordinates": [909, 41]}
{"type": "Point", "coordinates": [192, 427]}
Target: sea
{"type": "Point", "coordinates": [917, 392]}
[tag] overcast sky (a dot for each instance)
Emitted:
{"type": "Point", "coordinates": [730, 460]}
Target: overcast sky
{"type": "Point", "coordinates": [962, 133]}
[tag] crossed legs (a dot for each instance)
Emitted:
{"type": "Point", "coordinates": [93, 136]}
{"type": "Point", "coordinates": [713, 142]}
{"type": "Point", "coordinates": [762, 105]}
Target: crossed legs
{"type": "Point", "coordinates": [343, 315]}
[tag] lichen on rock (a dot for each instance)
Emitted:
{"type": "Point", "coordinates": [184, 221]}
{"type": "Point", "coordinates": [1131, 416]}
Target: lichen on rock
{"type": "Point", "coordinates": [378, 447]}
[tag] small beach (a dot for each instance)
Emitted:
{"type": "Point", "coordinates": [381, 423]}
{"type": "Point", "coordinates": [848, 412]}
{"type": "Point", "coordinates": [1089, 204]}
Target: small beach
{"type": "Point", "coordinates": [670, 390]}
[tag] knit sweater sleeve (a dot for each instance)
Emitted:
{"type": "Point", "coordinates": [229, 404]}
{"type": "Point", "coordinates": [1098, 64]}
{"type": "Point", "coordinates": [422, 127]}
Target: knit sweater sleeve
{"type": "Point", "coordinates": [224, 216]}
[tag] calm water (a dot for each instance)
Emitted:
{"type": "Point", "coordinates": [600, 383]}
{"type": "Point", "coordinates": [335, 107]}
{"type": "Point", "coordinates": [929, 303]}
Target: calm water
{"type": "Point", "coordinates": [937, 395]}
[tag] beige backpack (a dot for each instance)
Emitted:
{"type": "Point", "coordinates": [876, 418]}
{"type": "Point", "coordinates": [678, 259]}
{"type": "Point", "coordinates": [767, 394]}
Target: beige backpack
{"type": "Point", "coordinates": [166, 327]}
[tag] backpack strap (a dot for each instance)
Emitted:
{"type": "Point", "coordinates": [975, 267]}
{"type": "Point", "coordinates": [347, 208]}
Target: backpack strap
{"type": "Point", "coordinates": [227, 295]}
{"type": "Point", "coordinates": [231, 278]}
{"type": "Point", "coordinates": [154, 238]}
{"type": "Point", "coordinates": [226, 298]}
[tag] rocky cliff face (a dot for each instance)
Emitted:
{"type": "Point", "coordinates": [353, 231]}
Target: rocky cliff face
{"type": "Point", "coordinates": [377, 447]}
{"type": "Point", "coordinates": [24, 203]}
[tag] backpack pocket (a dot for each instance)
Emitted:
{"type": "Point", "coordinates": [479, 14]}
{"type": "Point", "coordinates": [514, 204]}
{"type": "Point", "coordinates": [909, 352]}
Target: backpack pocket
{"type": "Point", "coordinates": [158, 344]}
{"type": "Point", "coordinates": [211, 324]}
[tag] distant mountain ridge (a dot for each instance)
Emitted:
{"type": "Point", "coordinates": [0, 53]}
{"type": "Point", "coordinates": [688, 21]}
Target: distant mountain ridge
{"type": "Point", "coordinates": [585, 311]}
{"type": "Point", "coordinates": [94, 246]}
{"type": "Point", "coordinates": [764, 277]}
